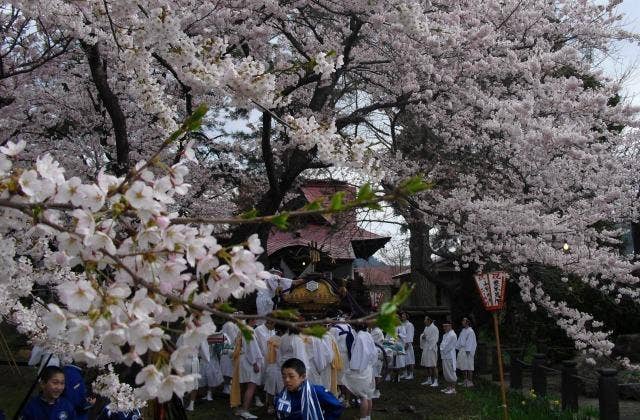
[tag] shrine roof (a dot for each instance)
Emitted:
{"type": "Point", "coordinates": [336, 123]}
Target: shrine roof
{"type": "Point", "coordinates": [384, 275]}
{"type": "Point", "coordinates": [349, 242]}
{"type": "Point", "coordinates": [338, 236]}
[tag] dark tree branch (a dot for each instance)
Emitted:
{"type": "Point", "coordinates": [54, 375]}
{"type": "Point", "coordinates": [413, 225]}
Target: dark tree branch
{"type": "Point", "coordinates": [267, 153]}
{"type": "Point", "coordinates": [185, 88]}
{"type": "Point", "coordinates": [358, 115]}
{"type": "Point", "coordinates": [44, 58]}
{"type": "Point", "coordinates": [112, 104]}
{"type": "Point", "coordinates": [322, 93]}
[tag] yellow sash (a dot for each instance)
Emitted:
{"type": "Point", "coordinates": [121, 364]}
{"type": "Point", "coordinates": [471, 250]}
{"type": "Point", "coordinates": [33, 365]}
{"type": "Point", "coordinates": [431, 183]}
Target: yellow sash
{"type": "Point", "coordinates": [235, 398]}
{"type": "Point", "coordinates": [336, 365]}
{"type": "Point", "coordinates": [272, 350]}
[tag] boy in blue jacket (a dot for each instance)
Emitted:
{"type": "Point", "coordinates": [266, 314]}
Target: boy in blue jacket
{"type": "Point", "coordinates": [49, 405]}
{"type": "Point", "coordinates": [302, 400]}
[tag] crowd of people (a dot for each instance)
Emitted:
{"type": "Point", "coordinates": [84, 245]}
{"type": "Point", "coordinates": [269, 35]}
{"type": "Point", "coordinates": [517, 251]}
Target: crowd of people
{"type": "Point", "coordinates": [296, 374]}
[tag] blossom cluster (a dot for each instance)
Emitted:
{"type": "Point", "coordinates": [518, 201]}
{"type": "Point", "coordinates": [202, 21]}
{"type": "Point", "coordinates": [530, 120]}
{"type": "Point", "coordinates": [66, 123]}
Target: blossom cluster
{"type": "Point", "coordinates": [135, 262]}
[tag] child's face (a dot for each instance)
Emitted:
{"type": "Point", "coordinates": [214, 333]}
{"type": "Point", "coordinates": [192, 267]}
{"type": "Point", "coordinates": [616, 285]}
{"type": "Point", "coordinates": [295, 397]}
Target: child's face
{"type": "Point", "coordinates": [292, 380]}
{"type": "Point", "coordinates": [54, 387]}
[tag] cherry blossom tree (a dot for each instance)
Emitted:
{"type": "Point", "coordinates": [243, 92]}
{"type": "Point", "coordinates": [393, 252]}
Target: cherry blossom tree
{"type": "Point", "coordinates": [134, 205]}
{"type": "Point", "coordinates": [523, 142]}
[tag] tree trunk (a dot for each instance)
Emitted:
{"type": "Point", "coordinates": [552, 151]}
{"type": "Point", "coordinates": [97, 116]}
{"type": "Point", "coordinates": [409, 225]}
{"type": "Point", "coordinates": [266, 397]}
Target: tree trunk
{"type": "Point", "coordinates": [635, 236]}
{"type": "Point", "coordinates": [424, 292]}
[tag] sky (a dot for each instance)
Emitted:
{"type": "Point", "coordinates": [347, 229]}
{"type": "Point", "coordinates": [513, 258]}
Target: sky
{"type": "Point", "coordinates": [627, 55]}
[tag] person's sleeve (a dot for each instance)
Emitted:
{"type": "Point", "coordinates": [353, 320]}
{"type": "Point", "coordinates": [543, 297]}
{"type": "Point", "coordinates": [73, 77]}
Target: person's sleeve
{"type": "Point", "coordinates": [358, 361]}
{"type": "Point", "coordinates": [402, 334]}
{"type": "Point", "coordinates": [253, 353]}
{"type": "Point", "coordinates": [472, 344]}
{"type": "Point", "coordinates": [204, 351]}
{"type": "Point", "coordinates": [460, 342]}
{"type": "Point", "coordinates": [329, 403]}
{"type": "Point", "coordinates": [410, 333]}
{"type": "Point", "coordinates": [285, 283]}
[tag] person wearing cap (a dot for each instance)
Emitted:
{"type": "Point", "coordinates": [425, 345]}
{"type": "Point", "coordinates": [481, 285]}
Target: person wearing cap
{"type": "Point", "coordinates": [466, 346]}
{"type": "Point", "coordinates": [448, 356]}
{"type": "Point", "coordinates": [274, 285]}
{"type": "Point", "coordinates": [429, 344]}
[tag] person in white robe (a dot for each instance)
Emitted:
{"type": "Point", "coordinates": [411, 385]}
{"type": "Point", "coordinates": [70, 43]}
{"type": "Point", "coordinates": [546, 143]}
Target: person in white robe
{"type": "Point", "coordinates": [192, 367]}
{"type": "Point", "coordinates": [230, 331]}
{"type": "Point", "coordinates": [399, 358]}
{"type": "Point", "coordinates": [359, 377]}
{"type": "Point", "coordinates": [448, 357]}
{"type": "Point", "coordinates": [319, 356]}
{"type": "Point", "coordinates": [292, 346]}
{"type": "Point", "coordinates": [251, 363]}
{"type": "Point", "coordinates": [275, 284]}
{"type": "Point", "coordinates": [466, 346]}
{"type": "Point", "coordinates": [410, 357]}
{"type": "Point", "coordinates": [344, 336]}
{"type": "Point", "coordinates": [210, 372]}
{"type": "Point", "coordinates": [429, 344]}
{"type": "Point", "coordinates": [329, 375]}
{"type": "Point", "coordinates": [378, 339]}
{"type": "Point", "coordinates": [273, 362]}
{"type": "Point", "coordinates": [262, 334]}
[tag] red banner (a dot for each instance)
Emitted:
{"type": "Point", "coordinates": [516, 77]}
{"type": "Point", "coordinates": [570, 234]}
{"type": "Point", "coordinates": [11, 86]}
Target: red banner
{"type": "Point", "coordinates": [492, 288]}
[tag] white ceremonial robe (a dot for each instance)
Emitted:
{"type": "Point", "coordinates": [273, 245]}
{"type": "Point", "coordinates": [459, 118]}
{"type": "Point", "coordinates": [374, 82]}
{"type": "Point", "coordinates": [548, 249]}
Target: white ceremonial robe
{"type": "Point", "coordinates": [466, 346]}
{"type": "Point", "coordinates": [377, 335]}
{"type": "Point", "coordinates": [192, 367]}
{"type": "Point", "coordinates": [359, 378]}
{"type": "Point", "coordinates": [448, 356]}
{"type": "Point", "coordinates": [250, 355]}
{"type": "Point", "coordinates": [264, 298]}
{"type": "Point", "coordinates": [292, 345]}
{"type": "Point", "coordinates": [273, 375]}
{"type": "Point", "coordinates": [378, 338]}
{"type": "Point", "coordinates": [40, 356]}
{"type": "Point", "coordinates": [230, 331]}
{"type": "Point", "coordinates": [262, 334]}
{"type": "Point", "coordinates": [210, 371]}
{"type": "Point", "coordinates": [325, 374]}
{"type": "Point", "coordinates": [340, 332]}
{"type": "Point", "coordinates": [400, 360]}
{"type": "Point", "coordinates": [429, 345]}
{"type": "Point", "coordinates": [318, 355]}
{"type": "Point", "coordinates": [408, 340]}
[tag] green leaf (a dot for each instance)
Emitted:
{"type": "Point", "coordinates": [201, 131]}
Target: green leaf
{"type": "Point", "coordinates": [194, 121]}
{"type": "Point", "coordinates": [388, 319]}
{"type": "Point", "coordinates": [403, 294]}
{"type": "Point", "coordinates": [292, 314]}
{"type": "Point", "coordinates": [314, 205]}
{"type": "Point", "coordinates": [388, 323]}
{"type": "Point", "coordinates": [315, 331]}
{"type": "Point", "coordinates": [337, 201]}
{"type": "Point", "coordinates": [251, 214]}
{"type": "Point", "coordinates": [247, 332]}
{"type": "Point", "coordinates": [414, 185]}
{"type": "Point", "coordinates": [225, 307]}
{"type": "Point", "coordinates": [280, 220]}
{"type": "Point", "coordinates": [365, 193]}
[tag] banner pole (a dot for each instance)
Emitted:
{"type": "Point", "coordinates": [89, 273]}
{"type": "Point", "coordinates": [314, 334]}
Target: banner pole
{"type": "Point", "coordinates": [500, 368]}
